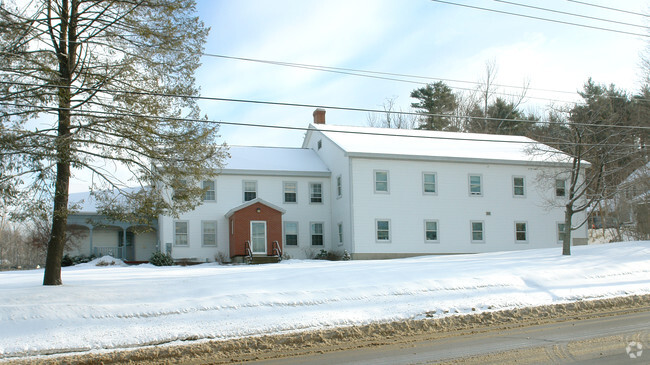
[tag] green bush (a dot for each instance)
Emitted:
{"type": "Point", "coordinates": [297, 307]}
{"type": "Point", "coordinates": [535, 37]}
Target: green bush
{"type": "Point", "coordinates": [161, 259]}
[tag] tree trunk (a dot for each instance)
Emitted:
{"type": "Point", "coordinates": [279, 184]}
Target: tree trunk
{"type": "Point", "coordinates": [66, 58]}
{"type": "Point", "coordinates": [566, 241]}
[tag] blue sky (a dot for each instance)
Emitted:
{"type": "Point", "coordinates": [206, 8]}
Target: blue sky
{"type": "Point", "coordinates": [416, 37]}
{"type": "Point", "coordinates": [408, 37]}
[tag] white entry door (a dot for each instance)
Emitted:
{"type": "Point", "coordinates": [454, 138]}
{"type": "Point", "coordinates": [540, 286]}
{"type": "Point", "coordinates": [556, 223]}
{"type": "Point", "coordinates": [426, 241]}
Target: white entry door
{"type": "Point", "coordinates": [258, 236]}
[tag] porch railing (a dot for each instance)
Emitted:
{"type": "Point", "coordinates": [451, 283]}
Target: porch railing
{"type": "Point", "coordinates": [249, 251]}
{"type": "Point", "coordinates": [277, 250]}
{"type": "Point", "coordinates": [117, 252]}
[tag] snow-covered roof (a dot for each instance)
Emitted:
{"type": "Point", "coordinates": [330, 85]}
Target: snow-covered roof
{"type": "Point", "coordinates": [85, 202]}
{"type": "Point", "coordinates": [274, 161]}
{"type": "Point", "coordinates": [643, 171]}
{"type": "Point", "coordinates": [420, 144]}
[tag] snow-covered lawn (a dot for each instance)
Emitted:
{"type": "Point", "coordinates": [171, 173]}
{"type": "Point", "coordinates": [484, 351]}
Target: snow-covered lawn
{"type": "Point", "coordinates": [111, 307]}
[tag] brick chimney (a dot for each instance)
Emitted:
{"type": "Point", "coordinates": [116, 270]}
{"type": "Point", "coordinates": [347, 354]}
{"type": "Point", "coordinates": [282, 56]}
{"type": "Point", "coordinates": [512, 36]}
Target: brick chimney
{"type": "Point", "coordinates": [319, 116]}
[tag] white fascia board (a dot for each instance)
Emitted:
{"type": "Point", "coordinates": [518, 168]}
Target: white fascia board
{"type": "Point", "coordinates": [275, 173]}
{"type": "Point", "coordinates": [459, 159]}
{"type": "Point", "coordinates": [251, 202]}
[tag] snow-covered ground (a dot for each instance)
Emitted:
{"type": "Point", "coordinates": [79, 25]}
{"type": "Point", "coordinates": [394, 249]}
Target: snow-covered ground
{"type": "Point", "coordinates": [114, 306]}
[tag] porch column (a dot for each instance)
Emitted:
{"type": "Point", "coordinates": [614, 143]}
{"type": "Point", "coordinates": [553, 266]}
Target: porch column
{"type": "Point", "coordinates": [123, 253]}
{"type": "Point", "coordinates": [90, 230]}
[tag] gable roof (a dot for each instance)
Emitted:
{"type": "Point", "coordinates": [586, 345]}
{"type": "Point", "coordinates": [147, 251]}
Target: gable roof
{"type": "Point", "coordinates": [434, 145]}
{"type": "Point", "coordinates": [86, 203]}
{"type": "Point", "coordinates": [251, 202]}
{"type": "Point", "coordinates": [274, 161]}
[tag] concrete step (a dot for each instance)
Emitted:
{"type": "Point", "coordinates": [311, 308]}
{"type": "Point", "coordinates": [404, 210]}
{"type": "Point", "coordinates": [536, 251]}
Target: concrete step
{"type": "Point", "coordinates": [264, 260]}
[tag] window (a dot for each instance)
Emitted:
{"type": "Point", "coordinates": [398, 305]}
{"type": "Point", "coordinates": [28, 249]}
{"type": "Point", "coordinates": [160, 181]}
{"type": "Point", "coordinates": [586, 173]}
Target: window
{"type": "Point", "coordinates": [317, 234]}
{"type": "Point", "coordinates": [561, 231]}
{"type": "Point", "coordinates": [290, 192]}
{"type": "Point", "coordinates": [180, 233]}
{"type": "Point", "coordinates": [180, 190]}
{"type": "Point", "coordinates": [383, 230]}
{"type": "Point", "coordinates": [518, 186]}
{"type": "Point", "coordinates": [340, 234]}
{"type": "Point", "coordinates": [209, 193]}
{"type": "Point", "coordinates": [209, 229]}
{"type": "Point", "coordinates": [339, 186]}
{"type": "Point", "coordinates": [315, 193]}
{"type": "Point", "coordinates": [429, 183]}
{"type": "Point", "coordinates": [291, 233]}
{"type": "Point", "coordinates": [431, 231]}
{"type": "Point", "coordinates": [250, 190]}
{"type": "Point", "coordinates": [381, 181]}
{"type": "Point", "coordinates": [477, 232]}
{"type": "Point", "coordinates": [320, 144]}
{"type": "Point", "coordinates": [475, 185]}
{"type": "Point", "coordinates": [521, 234]}
{"type": "Point", "coordinates": [560, 187]}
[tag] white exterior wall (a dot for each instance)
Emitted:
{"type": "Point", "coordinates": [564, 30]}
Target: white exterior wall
{"type": "Point", "coordinates": [341, 208]}
{"type": "Point", "coordinates": [229, 195]}
{"type": "Point", "coordinates": [453, 207]}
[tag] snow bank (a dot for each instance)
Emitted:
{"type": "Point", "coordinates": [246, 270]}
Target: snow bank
{"type": "Point", "coordinates": [109, 307]}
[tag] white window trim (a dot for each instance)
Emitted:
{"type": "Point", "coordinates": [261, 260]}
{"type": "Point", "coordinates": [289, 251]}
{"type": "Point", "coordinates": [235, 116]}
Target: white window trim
{"type": "Point", "coordinates": [435, 183]}
{"type": "Point", "coordinates": [322, 192]}
{"type": "Point", "coordinates": [557, 232]}
{"type": "Point", "coordinates": [471, 231]}
{"type": "Point", "coordinates": [526, 231]}
{"type": "Point", "coordinates": [188, 233]}
{"type": "Point", "coordinates": [284, 233]}
{"type": "Point", "coordinates": [469, 184]}
{"type": "Point", "coordinates": [243, 188]}
{"type": "Point", "coordinates": [374, 177]}
{"type": "Point", "coordinates": [339, 187]}
{"type": "Point", "coordinates": [214, 183]}
{"type": "Point", "coordinates": [340, 233]}
{"type": "Point", "coordinates": [216, 235]}
{"type": "Point", "coordinates": [311, 241]}
{"type": "Point", "coordinates": [284, 186]}
{"type": "Point", "coordinates": [390, 234]}
{"type": "Point", "coordinates": [555, 188]}
{"type": "Point", "coordinates": [437, 231]}
{"type": "Point", "coordinates": [513, 186]}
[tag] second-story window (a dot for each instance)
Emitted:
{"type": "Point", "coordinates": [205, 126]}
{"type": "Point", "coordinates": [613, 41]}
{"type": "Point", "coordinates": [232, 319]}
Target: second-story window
{"type": "Point", "coordinates": [381, 181]}
{"type": "Point", "coordinates": [209, 193]}
{"type": "Point", "coordinates": [290, 192]}
{"type": "Point", "coordinates": [250, 190]}
{"type": "Point", "coordinates": [560, 187]}
{"type": "Point", "coordinates": [475, 186]}
{"type": "Point", "coordinates": [315, 193]}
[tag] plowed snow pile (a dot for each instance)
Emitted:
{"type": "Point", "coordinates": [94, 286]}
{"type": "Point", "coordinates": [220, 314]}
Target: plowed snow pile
{"type": "Point", "coordinates": [117, 307]}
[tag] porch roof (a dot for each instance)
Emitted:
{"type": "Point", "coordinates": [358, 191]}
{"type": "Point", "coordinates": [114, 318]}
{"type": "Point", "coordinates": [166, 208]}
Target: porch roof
{"type": "Point", "coordinates": [251, 202]}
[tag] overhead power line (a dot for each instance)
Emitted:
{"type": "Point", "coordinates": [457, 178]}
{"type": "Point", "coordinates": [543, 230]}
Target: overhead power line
{"type": "Point", "coordinates": [571, 14]}
{"type": "Point", "coordinates": [331, 107]}
{"type": "Point", "coordinates": [543, 19]}
{"type": "Point", "coordinates": [98, 113]}
{"type": "Point", "coordinates": [609, 8]}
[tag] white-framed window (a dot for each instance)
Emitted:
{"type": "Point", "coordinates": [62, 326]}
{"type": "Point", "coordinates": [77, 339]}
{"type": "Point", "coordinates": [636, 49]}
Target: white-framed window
{"type": "Point", "coordinates": [291, 233]}
{"type": "Point", "coordinates": [316, 233]}
{"type": "Point", "coordinates": [381, 181]}
{"type": "Point", "coordinates": [478, 231]}
{"type": "Point", "coordinates": [382, 230]}
{"type": "Point", "coordinates": [209, 191]}
{"type": "Point", "coordinates": [561, 231]}
{"type": "Point", "coordinates": [250, 190]}
{"type": "Point", "coordinates": [431, 231]}
{"type": "Point", "coordinates": [180, 191]}
{"type": "Point", "coordinates": [290, 192]}
{"type": "Point", "coordinates": [340, 227]}
{"type": "Point", "coordinates": [560, 187]}
{"type": "Point", "coordinates": [181, 237]}
{"type": "Point", "coordinates": [316, 193]}
{"type": "Point", "coordinates": [429, 180]}
{"type": "Point", "coordinates": [518, 186]}
{"type": "Point", "coordinates": [339, 186]}
{"type": "Point", "coordinates": [521, 232]}
{"type": "Point", "coordinates": [209, 233]}
{"type": "Point", "coordinates": [475, 185]}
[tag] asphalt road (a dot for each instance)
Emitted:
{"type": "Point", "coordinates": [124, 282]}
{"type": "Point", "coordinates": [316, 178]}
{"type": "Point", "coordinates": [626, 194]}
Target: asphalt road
{"type": "Point", "coordinates": [602, 340]}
